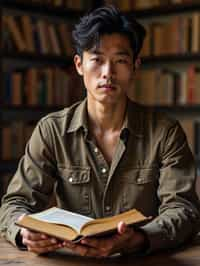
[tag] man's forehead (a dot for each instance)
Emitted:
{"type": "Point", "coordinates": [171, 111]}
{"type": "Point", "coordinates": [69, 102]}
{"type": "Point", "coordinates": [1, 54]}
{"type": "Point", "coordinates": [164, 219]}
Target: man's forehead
{"type": "Point", "coordinates": [116, 43]}
{"type": "Point", "coordinates": [122, 51]}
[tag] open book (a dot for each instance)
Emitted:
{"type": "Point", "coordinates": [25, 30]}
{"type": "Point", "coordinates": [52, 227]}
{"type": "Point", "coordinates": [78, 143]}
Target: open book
{"type": "Point", "coordinates": [67, 225]}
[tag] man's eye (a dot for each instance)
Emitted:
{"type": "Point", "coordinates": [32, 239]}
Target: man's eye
{"type": "Point", "coordinates": [95, 59]}
{"type": "Point", "coordinates": [122, 61]}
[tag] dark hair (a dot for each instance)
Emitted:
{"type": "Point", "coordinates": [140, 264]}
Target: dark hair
{"type": "Point", "coordinates": [106, 20]}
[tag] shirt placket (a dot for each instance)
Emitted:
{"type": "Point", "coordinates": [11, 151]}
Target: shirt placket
{"type": "Point", "coordinates": [102, 165]}
{"type": "Point", "coordinates": [105, 173]}
{"type": "Point", "coordinates": [102, 170]}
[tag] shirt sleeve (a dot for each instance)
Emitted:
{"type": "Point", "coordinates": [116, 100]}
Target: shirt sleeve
{"type": "Point", "coordinates": [32, 185]}
{"type": "Point", "coordinates": [178, 217]}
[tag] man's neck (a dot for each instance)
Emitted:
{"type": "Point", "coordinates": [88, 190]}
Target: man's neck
{"type": "Point", "coordinates": [106, 118]}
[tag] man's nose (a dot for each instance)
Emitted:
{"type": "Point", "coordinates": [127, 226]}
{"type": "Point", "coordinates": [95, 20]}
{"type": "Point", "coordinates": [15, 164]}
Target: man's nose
{"type": "Point", "coordinates": [108, 70]}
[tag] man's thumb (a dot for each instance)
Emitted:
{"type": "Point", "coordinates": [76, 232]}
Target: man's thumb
{"type": "Point", "coordinates": [122, 227]}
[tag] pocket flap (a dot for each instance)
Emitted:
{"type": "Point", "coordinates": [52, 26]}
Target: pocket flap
{"type": "Point", "coordinates": [146, 175]}
{"type": "Point", "coordinates": [139, 176]}
{"type": "Point", "coordinates": [76, 175]}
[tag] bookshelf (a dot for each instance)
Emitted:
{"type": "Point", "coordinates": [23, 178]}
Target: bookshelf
{"type": "Point", "coordinates": [166, 9]}
{"type": "Point", "coordinates": [168, 59]}
{"type": "Point", "coordinates": [176, 65]}
{"type": "Point", "coordinates": [43, 7]}
{"type": "Point", "coordinates": [29, 74]}
{"type": "Point", "coordinates": [38, 58]}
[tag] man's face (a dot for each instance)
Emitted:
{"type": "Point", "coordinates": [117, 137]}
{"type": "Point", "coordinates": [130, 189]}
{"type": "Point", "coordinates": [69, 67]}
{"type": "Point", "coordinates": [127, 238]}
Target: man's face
{"type": "Point", "coordinates": [107, 70]}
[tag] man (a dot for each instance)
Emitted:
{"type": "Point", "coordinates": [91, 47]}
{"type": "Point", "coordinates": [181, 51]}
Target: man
{"type": "Point", "coordinates": [106, 154]}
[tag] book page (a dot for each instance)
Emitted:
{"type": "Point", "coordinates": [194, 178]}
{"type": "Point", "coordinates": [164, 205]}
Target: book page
{"type": "Point", "coordinates": [63, 217]}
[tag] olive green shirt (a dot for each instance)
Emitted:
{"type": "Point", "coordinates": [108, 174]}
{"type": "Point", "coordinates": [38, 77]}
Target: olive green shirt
{"type": "Point", "coordinates": [152, 170]}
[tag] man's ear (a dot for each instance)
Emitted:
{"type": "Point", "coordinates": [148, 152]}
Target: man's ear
{"type": "Point", "coordinates": [78, 64]}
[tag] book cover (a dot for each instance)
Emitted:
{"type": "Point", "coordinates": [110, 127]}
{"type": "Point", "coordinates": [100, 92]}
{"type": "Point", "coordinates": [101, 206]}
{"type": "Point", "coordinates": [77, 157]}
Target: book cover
{"type": "Point", "coordinates": [13, 27]}
{"type": "Point", "coordinates": [28, 32]}
{"type": "Point", "coordinates": [67, 225]}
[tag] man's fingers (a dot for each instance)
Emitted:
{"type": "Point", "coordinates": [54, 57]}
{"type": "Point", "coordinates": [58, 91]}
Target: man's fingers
{"type": "Point", "coordinates": [106, 246]}
{"type": "Point", "coordinates": [122, 227]}
{"type": "Point", "coordinates": [42, 246]}
{"type": "Point", "coordinates": [40, 243]}
{"type": "Point", "coordinates": [95, 242]}
{"type": "Point", "coordinates": [21, 216]}
{"type": "Point", "coordinates": [92, 242]}
{"type": "Point", "coordinates": [32, 235]}
{"type": "Point", "coordinates": [42, 250]}
{"type": "Point", "coordinates": [83, 250]}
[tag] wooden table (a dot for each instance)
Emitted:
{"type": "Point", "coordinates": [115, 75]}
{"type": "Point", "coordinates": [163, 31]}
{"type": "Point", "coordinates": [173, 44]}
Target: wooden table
{"type": "Point", "coordinates": [187, 256]}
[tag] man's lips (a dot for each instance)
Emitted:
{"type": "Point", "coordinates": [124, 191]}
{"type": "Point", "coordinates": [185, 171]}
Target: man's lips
{"type": "Point", "coordinates": [107, 87]}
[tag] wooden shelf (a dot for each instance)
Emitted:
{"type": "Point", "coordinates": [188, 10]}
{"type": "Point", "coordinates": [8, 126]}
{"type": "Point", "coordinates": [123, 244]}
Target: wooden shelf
{"type": "Point", "coordinates": [166, 10]}
{"type": "Point", "coordinates": [36, 112]}
{"type": "Point", "coordinates": [27, 113]}
{"type": "Point", "coordinates": [193, 110]}
{"type": "Point", "coordinates": [35, 108]}
{"type": "Point", "coordinates": [179, 111]}
{"type": "Point", "coordinates": [37, 58]}
{"type": "Point", "coordinates": [8, 166]}
{"type": "Point", "coordinates": [42, 9]}
{"type": "Point", "coordinates": [171, 59]}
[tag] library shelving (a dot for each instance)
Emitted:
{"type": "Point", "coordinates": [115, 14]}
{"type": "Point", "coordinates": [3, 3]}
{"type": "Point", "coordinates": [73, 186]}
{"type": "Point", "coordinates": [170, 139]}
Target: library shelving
{"type": "Point", "coordinates": [36, 69]}
{"type": "Point", "coordinates": [168, 79]}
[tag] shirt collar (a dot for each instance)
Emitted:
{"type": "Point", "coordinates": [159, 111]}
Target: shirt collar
{"type": "Point", "coordinates": [133, 122]}
{"type": "Point", "coordinates": [80, 118]}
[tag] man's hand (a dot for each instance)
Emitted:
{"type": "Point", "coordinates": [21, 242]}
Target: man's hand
{"type": "Point", "coordinates": [39, 243]}
{"type": "Point", "coordinates": [125, 240]}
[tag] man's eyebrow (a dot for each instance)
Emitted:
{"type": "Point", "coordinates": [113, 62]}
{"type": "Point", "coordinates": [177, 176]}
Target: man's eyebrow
{"type": "Point", "coordinates": [96, 52]}
{"type": "Point", "coordinates": [123, 52]}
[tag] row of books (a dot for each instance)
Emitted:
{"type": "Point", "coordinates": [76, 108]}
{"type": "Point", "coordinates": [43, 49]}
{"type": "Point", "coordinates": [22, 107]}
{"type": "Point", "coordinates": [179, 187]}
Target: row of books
{"type": "Point", "coordinates": [78, 4]}
{"type": "Point", "coordinates": [127, 5]}
{"type": "Point", "coordinates": [176, 35]}
{"type": "Point", "coordinates": [29, 34]}
{"type": "Point", "coordinates": [14, 137]}
{"type": "Point", "coordinates": [167, 87]}
{"type": "Point", "coordinates": [42, 86]}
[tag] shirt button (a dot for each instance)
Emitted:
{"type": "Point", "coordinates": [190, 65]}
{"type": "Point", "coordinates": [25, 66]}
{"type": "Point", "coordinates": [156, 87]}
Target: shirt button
{"type": "Point", "coordinates": [107, 208]}
{"type": "Point", "coordinates": [70, 180]}
{"type": "Point", "coordinates": [86, 196]}
{"type": "Point", "coordinates": [103, 170]}
{"type": "Point", "coordinates": [160, 222]}
{"type": "Point", "coordinates": [96, 150]}
{"type": "Point", "coordinates": [84, 177]}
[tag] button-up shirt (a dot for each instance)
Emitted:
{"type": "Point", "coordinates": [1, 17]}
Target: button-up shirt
{"type": "Point", "coordinates": [152, 170]}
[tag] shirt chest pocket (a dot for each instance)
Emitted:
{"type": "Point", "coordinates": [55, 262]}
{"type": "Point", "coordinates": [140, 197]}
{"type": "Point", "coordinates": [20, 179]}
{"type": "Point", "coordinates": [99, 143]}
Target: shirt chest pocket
{"type": "Point", "coordinates": [139, 189]}
{"type": "Point", "coordinates": [74, 189]}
